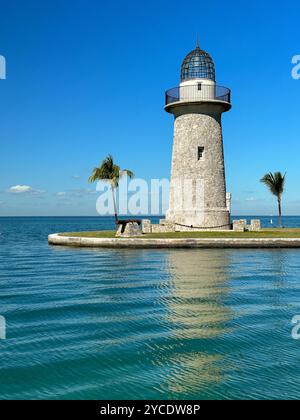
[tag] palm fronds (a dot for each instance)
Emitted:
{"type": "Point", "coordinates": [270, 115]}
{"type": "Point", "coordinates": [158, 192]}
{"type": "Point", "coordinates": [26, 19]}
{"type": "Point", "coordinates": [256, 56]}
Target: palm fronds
{"type": "Point", "coordinates": [275, 183]}
{"type": "Point", "coordinates": [109, 172]}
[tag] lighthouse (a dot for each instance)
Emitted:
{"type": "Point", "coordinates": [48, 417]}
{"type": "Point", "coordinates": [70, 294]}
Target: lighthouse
{"type": "Point", "coordinates": [198, 198]}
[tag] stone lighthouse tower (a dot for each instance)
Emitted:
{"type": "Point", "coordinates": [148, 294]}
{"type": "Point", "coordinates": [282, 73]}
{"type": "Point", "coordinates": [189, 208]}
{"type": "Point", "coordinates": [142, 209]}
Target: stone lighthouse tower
{"type": "Point", "coordinates": [198, 190]}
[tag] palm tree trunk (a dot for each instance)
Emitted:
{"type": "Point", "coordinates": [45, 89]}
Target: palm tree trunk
{"type": "Point", "coordinates": [280, 212]}
{"type": "Point", "coordinates": [115, 205]}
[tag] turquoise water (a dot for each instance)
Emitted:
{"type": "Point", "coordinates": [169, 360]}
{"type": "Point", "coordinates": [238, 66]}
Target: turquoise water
{"type": "Point", "coordinates": [141, 324]}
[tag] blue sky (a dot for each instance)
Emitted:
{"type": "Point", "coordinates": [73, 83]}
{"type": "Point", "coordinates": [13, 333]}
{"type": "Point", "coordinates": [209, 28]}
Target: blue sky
{"type": "Point", "coordinates": [87, 78]}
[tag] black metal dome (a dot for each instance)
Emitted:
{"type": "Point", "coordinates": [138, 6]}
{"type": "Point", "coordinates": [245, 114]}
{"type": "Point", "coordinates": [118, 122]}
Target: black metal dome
{"type": "Point", "coordinates": [198, 64]}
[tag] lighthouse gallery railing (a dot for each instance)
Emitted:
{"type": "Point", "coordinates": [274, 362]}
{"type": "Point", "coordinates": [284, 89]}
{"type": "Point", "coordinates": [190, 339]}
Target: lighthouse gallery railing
{"type": "Point", "coordinates": [198, 92]}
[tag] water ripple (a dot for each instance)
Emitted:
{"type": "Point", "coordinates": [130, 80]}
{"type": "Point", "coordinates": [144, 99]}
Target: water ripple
{"type": "Point", "coordinates": [95, 324]}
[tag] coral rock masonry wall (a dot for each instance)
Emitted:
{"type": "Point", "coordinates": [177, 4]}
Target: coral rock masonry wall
{"type": "Point", "coordinates": [198, 189]}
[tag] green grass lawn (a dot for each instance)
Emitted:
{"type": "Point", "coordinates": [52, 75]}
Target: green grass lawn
{"type": "Point", "coordinates": [266, 233]}
{"type": "Point", "coordinates": [97, 234]}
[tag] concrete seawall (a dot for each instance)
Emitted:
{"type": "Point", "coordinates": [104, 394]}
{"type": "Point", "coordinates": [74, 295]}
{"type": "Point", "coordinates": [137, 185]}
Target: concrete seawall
{"type": "Point", "coordinates": [56, 239]}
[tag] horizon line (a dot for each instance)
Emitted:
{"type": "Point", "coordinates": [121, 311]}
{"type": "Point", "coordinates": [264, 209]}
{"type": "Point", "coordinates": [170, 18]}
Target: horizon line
{"type": "Point", "coordinates": [147, 215]}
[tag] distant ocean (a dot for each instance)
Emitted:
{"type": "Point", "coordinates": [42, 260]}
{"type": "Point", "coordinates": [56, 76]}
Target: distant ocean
{"type": "Point", "coordinates": [144, 324]}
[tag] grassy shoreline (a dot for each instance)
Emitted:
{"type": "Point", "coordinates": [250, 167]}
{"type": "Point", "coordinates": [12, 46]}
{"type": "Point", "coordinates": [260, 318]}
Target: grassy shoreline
{"type": "Point", "coordinates": [265, 233]}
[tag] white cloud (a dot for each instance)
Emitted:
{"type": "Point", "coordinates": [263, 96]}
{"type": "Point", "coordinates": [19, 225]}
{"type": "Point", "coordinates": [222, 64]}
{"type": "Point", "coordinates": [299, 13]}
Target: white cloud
{"type": "Point", "coordinates": [76, 176]}
{"type": "Point", "coordinates": [79, 192]}
{"type": "Point", "coordinates": [23, 189]}
{"type": "Point", "coordinates": [82, 191]}
{"type": "Point", "coordinates": [254, 199]}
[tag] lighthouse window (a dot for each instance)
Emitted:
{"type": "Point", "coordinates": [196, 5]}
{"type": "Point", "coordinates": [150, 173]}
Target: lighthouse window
{"type": "Point", "coordinates": [199, 86]}
{"type": "Point", "coordinates": [200, 152]}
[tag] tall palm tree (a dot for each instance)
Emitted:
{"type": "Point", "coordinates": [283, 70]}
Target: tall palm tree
{"type": "Point", "coordinates": [111, 173]}
{"type": "Point", "coordinates": [275, 182]}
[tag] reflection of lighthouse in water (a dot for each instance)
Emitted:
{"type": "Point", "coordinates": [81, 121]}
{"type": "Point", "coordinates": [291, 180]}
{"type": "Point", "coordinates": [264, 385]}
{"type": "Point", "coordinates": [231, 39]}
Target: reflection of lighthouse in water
{"type": "Point", "coordinates": [197, 317]}
{"type": "Point", "coordinates": [198, 287]}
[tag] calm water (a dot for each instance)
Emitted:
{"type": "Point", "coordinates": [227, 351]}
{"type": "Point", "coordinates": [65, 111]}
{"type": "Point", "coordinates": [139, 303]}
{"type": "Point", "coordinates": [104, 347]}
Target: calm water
{"type": "Point", "coordinates": [98, 324]}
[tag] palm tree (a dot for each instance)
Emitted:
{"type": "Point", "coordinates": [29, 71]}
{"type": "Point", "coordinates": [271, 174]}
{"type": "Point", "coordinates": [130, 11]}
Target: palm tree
{"type": "Point", "coordinates": [275, 182]}
{"type": "Point", "coordinates": [111, 173]}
